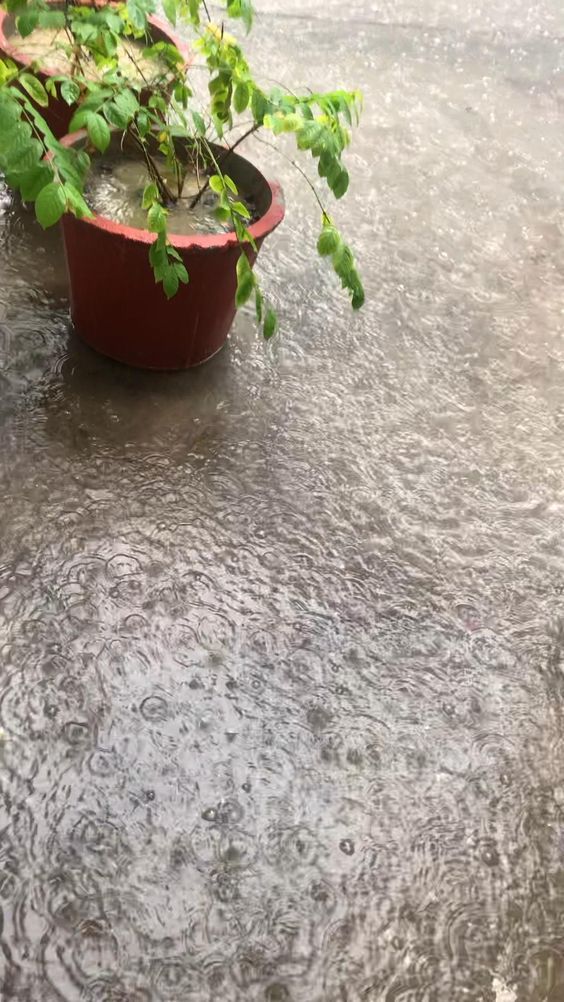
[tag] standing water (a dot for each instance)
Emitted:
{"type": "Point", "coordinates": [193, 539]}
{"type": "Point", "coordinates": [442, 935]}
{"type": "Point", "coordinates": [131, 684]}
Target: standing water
{"type": "Point", "coordinates": [282, 696]}
{"type": "Point", "coordinates": [115, 190]}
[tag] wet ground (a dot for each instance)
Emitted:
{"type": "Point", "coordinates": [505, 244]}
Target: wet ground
{"type": "Point", "coordinates": [282, 682]}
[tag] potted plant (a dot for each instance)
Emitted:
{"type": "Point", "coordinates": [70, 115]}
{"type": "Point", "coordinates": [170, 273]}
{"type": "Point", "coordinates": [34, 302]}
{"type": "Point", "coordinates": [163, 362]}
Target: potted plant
{"type": "Point", "coordinates": [161, 291]}
{"type": "Point", "coordinates": [51, 41]}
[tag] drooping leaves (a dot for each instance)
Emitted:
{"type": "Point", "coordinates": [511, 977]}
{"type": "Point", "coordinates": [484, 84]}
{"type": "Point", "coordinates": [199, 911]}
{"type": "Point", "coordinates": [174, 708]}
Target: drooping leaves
{"type": "Point", "coordinates": [270, 324]}
{"type": "Point", "coordinates": [331, 244]}
{"type": "Point", "coordinates": [98, 131]}
{"type": "Point", "coordinates": [35, 89]}
{"type": "Point", "coordinates": [245, 281]}
{"type": "Point", "coordinates": [50, 204]}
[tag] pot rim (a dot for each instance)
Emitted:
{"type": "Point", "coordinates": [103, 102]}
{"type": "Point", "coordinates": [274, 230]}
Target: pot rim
{"type": "Point", "coordinates": [258, 230]}
{"type": "Point", "coordinates": [7, 46]}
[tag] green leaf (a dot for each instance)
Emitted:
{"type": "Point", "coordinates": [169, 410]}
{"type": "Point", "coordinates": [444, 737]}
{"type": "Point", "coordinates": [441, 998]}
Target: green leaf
{"type": "Point", "coordinates": [181, 272]}
{"type": "Point", "coordinates": [309, 135]}
{"type": "Point", "coordinates": [22, 160]}
{"type": "Point", "coordinates": [329, 241]}
{"type": "Point", "coordinates": [137, 14]}
{"type": "Point", "coordinates": [216, 184]}
{"type": "Point", "coordinates": [343, 260]}
{"type": "Point", "coordinates": [242, 9]}
{"type": "Point", "coordinates": [76, 203]}
{"type": "Point", "coordinates": [357, 299]}
{"type": "Point", "coordinates": [181, 94]}
{"type": "Point", "coordinates": [241, 97]}
{"type": "Point", "coordinates": [245, 281]}
{"type": "Point", "coordinates": [50, 204]}
{"type": "Point", "coordinates": [79, 119]}
{"type": "Point", "coordinates": [333, 171]}
{"type": "Point", "coordinates": [158, 257]}
{"type": "Point", "coordinates": [143, 122]}
{"type": "Point", "coordinates": [35, 89]}
{"type": "Point", "coordinates": [169, 7]}
{"type": "Point", "coordinates": [199, 123]}
{"type": "Point", "coordinates": [70, 91]}
{"type": "Point", "coordinates": [150, 194]}
{"type": "Point", "coordinates": [241, 209]}
{"type": "Point", "coordinates": [222, 214]}
{"type": "Point", "coordinates": [270, 324]}
{"type": "Point", "coordinates": [260, 105]}
{"type": "Point", "coordinates": [244, 292]}
{"type": "Point", "coordinates": [170, 283]}
{"type": "Point", "coordinates": [194, 11]}
{"type": "Point", "coordinates": [170, 54]}
{"type": "Point", "coordinates": [339, 188]}
{"type": "Point", "coordinates": [32, 182]}
{"type": "Point", "coordinates": [243, 265]}
{"type": "Point", "coordinates": [230, 183]}
{"type": "Point", "coordinates": [127, 103]}
{"type": "Point", "coordinates": [156, 218]}
{"type": "Point", "coordinates": [305, 110]}
{"type": "Point", "coordinates": [114, 116]}
{"type": "Point", "coordinates": [27, 21]}
{"type": "Point", "coordinates": [245, 236]}
{"type": "Point", "coordinates": [259, 304]}
{"type": "Point", "coordinates": [15, 142]}
{"type": "Point", "coordinates": [291, 122]}
{"type": "Point", "coordinates": [276, 123]}
{"type": "Point", "coordinates": [98, 131]}
{"type": "Point", "coordinates": [8, 70]}
{"type": "Point", "coordinates": [9, 113]}
{"type": "Point", "coordinates": [158, 102]}
{"type": "Point", "coordinates": [326, 162]}
{"type": "Point", "coordinates": [52, 19]}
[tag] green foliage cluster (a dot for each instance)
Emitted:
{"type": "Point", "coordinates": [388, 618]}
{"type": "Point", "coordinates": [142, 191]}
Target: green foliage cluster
{"type": "Point", "coordinates": [164, 113]}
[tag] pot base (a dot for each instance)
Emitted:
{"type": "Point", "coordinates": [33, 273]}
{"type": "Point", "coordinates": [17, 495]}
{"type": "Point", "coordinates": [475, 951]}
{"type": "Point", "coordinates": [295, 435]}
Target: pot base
{"type": "Point", "coordinates": [94, 346]}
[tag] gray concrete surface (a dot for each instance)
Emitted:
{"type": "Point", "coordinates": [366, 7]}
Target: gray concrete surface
{"type": "Point", "coordinates": [281, 690]}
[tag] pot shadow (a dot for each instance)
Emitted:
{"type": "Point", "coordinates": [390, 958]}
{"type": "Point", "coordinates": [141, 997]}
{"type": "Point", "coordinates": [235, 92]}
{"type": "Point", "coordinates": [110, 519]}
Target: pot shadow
{"type": "Point", "coordinates": [92, 403]}
{"type": "Point", "coordinates": [32, 257]}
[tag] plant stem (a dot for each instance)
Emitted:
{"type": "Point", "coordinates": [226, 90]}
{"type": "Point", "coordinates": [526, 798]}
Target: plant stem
{"type": "Point", "coordinates": [164, 191]}
{"type": "Point", "coordinates": [299, 169]}
{"type": "Point", "coordinates": [225, 153]}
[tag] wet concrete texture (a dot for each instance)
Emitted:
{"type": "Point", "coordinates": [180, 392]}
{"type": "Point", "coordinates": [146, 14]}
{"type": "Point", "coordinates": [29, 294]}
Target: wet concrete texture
{"type": "Point", "coordinates": [282, 692]}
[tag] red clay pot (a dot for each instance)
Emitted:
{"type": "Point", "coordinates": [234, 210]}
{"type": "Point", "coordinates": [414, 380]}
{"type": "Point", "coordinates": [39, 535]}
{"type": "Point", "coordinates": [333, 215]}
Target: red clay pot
{"type": "Point", "coordinates": [58, 113]}
{"type": "Point", "coordinates": [119, 310]}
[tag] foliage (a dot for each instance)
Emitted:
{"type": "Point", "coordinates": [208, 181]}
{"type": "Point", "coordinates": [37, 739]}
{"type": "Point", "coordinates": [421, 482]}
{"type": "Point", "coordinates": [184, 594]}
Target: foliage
{"type": "Point", "coordinates": [165, 114]}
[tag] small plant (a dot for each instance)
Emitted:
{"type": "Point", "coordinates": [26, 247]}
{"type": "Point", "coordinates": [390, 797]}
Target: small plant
{"type": "Point", "coordinates": [161, 114]}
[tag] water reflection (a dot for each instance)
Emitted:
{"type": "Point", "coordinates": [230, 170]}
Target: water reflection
{"type": "Point", "coordinates": [92, 402]}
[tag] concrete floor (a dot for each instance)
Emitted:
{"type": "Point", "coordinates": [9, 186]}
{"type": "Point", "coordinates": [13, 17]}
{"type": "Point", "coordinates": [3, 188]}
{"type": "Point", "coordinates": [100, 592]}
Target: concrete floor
{"type": "Point", "coordinates": [281, 638]}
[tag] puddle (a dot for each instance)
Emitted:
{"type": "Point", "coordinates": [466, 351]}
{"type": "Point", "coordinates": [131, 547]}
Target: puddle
{"type": "Point", "coordinates": [281, 696]}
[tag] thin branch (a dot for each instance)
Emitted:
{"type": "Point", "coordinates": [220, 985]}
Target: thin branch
{"type": "Point", "coordinates": [225, 154]}
{"type": "Point", "coordinates": [300, 170]}
{"type": "Point", "coordinates": [164, 191]}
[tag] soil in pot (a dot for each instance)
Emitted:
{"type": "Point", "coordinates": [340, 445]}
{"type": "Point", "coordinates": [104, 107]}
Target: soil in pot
{"type": "Point", "coordinates": [115, 186]}
{"type": "Point", "coordinates": [50, 48]}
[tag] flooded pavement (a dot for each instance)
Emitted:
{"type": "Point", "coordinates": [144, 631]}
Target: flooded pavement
{"type": "Point", "coordinates": [282, 688]}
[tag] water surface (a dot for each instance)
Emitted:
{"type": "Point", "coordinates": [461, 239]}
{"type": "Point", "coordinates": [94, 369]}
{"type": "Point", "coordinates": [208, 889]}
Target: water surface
{"type": "Point", "coordinates": [281, 691]}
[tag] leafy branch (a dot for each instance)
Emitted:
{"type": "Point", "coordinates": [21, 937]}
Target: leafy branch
{"type": "Point", "coordinates": [172, 132]}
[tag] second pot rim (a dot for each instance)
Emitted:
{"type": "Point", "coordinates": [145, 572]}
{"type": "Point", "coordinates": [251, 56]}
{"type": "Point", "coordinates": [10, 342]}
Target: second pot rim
{"type": "Point", "coordinates": [11, 50]}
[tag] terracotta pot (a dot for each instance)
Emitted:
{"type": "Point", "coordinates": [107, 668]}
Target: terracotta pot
{"type": "Point", "coordinates": [119, 310]}
{"type": "Point", "coordinates": [58, 114]}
